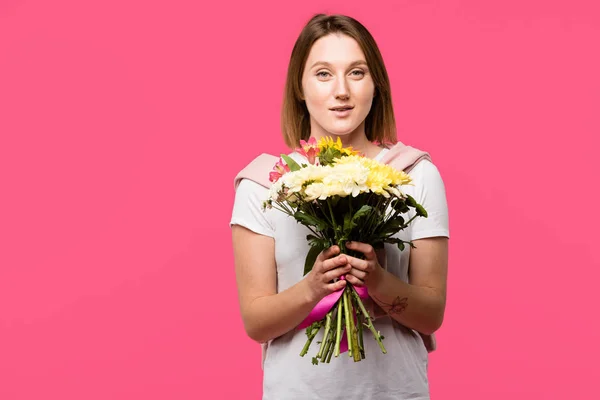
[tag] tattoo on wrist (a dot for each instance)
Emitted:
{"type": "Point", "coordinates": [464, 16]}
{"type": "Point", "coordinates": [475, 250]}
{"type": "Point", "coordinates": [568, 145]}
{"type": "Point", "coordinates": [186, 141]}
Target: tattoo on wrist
{"type": "Point", "coordinates": [397, 306]}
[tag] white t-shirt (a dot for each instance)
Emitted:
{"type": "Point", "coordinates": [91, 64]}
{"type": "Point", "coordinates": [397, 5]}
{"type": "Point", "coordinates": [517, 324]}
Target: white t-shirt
{"type": "Point", "coordinates": [399, 374]}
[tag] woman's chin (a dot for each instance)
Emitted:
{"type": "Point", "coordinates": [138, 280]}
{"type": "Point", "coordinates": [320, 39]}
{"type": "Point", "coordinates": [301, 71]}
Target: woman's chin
{"type": "Point", "coordinates": [341, 130]}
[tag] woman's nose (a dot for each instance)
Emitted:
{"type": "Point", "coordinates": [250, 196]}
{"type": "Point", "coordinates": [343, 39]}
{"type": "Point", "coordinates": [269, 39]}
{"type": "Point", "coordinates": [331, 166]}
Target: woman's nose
{"type": "Point", "coordinates": [341, 89]}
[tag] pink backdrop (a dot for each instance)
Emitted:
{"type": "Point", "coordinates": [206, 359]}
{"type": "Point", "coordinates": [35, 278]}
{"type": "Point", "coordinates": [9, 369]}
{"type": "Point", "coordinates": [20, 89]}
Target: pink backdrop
{"type": "Point", "coordinates": [123, 124]}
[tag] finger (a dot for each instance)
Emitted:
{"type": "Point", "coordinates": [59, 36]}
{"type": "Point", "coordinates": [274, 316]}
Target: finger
{"type": "Point", "coordinates": [358, 263]}
{"type": "Point", "coordinates": [335, 286]}
{"type": "Point", "coordinates": [354, 280]}
{"type": "Point", "coordinates": [334, 262]}
{"type": "Point", "coordinates": [358, 273]}
{"type": "Point", "coordinates": [364, 248]}
{"type": "Point", "coordinates": [336, 273]}
{"type": "Point", "coordinates": [328, 253]}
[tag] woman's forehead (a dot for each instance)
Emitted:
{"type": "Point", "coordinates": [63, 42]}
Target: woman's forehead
{"type": "Point", "coordinates": [335, 50]}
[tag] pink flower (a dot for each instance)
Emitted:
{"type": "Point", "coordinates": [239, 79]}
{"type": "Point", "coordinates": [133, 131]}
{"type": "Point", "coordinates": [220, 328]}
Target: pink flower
{"type": "Point", "coordinates": [309, 149]}
{"type": "Point", "coordinates": [278, 171]}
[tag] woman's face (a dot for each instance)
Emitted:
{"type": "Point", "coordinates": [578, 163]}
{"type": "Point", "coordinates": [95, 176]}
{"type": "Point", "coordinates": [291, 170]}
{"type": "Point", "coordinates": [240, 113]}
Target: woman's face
{"type": "Point", "coordinates": [336, 75]}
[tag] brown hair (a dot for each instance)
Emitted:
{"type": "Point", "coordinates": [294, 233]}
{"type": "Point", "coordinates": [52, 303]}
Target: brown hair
{"type": "Point", "coordinates": [380, 123]}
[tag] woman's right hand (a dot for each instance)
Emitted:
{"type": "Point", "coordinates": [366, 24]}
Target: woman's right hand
{"type": "Point", "coordinates": [327, 267]}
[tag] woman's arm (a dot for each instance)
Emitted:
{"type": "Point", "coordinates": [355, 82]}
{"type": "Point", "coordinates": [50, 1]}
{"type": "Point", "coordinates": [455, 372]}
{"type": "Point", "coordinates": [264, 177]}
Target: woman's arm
{"type": "Point", "coordinates": [420, 304]}
{"type": "Point", "coordinates": [266, 313]}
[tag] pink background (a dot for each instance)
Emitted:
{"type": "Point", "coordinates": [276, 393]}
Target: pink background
{"type": "Point", "coordinates": [123, 124]}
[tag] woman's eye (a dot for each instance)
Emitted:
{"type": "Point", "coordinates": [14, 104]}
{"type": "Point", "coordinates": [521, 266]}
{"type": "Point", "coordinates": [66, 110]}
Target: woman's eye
{"type": "Point", "coordinates": [356, 72]}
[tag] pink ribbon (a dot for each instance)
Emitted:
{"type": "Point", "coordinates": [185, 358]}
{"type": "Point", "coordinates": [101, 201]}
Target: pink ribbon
{"type": "Point", "coordinates": [325, 305]}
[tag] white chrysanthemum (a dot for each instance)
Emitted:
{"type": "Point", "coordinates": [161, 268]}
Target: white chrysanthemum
{"type": "Point", "coordinates": [275, 189]}
{"type": "Point", "coordinates": [347, 179]}
{"type": "Point", "coordinates": [316, 190]}
{"type": "Point", "coordinates": [394, 191]}
{"type": "Point", "coordinates": [297, 179]}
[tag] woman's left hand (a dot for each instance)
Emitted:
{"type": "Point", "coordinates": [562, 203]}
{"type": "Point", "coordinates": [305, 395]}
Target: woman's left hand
{"type": "Point", "coordinates": [367, 272]}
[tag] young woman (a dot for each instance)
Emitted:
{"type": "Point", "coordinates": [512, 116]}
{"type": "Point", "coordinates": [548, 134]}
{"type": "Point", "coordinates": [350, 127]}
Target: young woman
{"type": "Point", "coordinates": [337, 86]}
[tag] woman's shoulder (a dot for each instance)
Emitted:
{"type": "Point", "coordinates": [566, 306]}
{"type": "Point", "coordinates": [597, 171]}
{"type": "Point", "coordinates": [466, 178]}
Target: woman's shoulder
{"type": "Point", "coordinates": [257, 170]}
{"type": "Point", "coordinates": [426, 175]}
{"type": "Point", "coordinates": [423, 167]}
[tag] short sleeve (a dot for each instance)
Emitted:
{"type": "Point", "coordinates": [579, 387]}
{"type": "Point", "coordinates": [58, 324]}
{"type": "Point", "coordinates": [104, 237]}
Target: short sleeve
{"type": "Point", "coordinates": [247, 208]}
{"type": "Point", "coordinates": [430, 192]}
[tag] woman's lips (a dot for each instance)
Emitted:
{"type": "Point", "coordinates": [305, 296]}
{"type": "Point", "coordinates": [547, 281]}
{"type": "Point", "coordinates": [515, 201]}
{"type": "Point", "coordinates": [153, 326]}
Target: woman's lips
{"type": "Point", "coordinates": [342, 113]}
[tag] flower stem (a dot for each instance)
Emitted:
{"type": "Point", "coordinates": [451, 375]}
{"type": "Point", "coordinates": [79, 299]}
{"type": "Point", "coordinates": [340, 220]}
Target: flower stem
{"type": "Point", "coordinates": [360, 332]}
{"type": "Point", "coordinates": [369, 324]}
{"type": "Point", "coordinates": [332, 343]}
{"type": "Point", "coordinates": [311, 333]}
{"type": "Point", "coordinates": [347, 316]}
{"type": "Point", "coordinates": [329, 346]}
{"type": "Point", "coordinates": [338, 336]}
{"type": "Point", "coordinates": [320, 354]}
{"type": "Point", "coordinates": [335, 227]}
{"type": "Point", "coordinates": [353, 336]}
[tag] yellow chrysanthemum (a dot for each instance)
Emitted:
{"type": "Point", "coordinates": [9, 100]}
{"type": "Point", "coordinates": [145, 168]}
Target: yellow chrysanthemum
{"type": "Point", "coordinates": [327, 143]}
{"type": "Point", "coordinates": [382, 178]}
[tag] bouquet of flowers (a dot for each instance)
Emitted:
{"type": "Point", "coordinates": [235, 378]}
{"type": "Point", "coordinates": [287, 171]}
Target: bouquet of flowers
{"type": "Point", "coordinates": [342, 196]}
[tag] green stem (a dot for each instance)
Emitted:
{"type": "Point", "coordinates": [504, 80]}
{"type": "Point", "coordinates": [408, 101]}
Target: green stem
{"type": "Point", "coordinates": [373, 217]}
{"type": "Point", "coordinates": [360, 332]}
{"type": "Point", "coordinates": [332, 345]}
{"type": "Point", "coordinates": [369, 324]}
{"type": "Point", "coordinates": [338, 336]}
{"type": "Point", "coordinates": [313, 330]}
{"type": "Point", "coordinates": [410, 220]}
{"type": "Point", "coordinates": [313, 209]}
{"type": "Point", "coordinates": [379, 222]}
{"type": "Point", "coordinates": [347, 316]}
{"type": "Point", "coordinates": [335, 228]}
{"type": "Point", "coordinates": [325, 335]}
{"type": "Point", "coordinates": [328, 346]}
{"type": "Point", "coordinates": [353, 331]}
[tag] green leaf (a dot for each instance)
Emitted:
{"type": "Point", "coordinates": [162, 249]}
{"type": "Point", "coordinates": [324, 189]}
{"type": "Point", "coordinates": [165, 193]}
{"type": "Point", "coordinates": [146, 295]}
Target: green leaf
{"type": "Point", "coordinates": [317, 241]}
{"type": "Point", "coordinates": [311, 220]}
{"type": "Point", "coordinates": [398, 242]}
{"type": "Point", "coordinates": [348, 224]}
{"type": "Point", "coordinates": [310, 238]}
{"type": "Point", "coordinates": [393, 225]}
{"type": "Point", "coordinates": [411, 201]}
{"type": "Point", "coordinates": [290, 162]}
{"type": "Point", "coordinates": [311, 257]}
{"type": "Point", "coordinates": [421, 211]}
{"type": "Point", "coordinates": [362, 212]}
{"type": "Point", "coordinates": [400, 206]}
{"type": "Point", "coordinates": [351, 221]}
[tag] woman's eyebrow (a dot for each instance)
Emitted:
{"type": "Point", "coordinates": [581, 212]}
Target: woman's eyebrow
{"type": "Point", "coordinates": [326, 64]}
